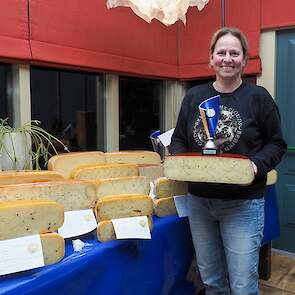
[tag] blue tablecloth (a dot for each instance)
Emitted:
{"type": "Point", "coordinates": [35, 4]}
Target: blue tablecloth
{"type": "Point", "coordinates": [123, 267]}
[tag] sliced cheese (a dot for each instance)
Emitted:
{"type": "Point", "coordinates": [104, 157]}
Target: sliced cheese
{"type": "Point", "coordinates": [27, 217]}
{"type": "Point", "coordinates": [53, 246]}
{"type": "Point", "coordinates": [135, 157]}
{"type": "Point", "coordinates": [164, 206]}
{"type": "Point", "coordinates": [25, 176]}
{"type": "Point", "coordinates": [122, 185]}
{"type": "Point", "coordinates": [165, 187]}
{"type": "Point", "coordinates": [72, 194]}
{"type": "Point", "coordinates": [65, 163]}
{"type": "Point", "coordinates": [151, 171]}
{"type": "Point", "coordinates": [119, 206]}
{"type": "Point", "coordinates": [106, 232]}
{"type": "Point", "coordinates": [272, 177]}
{"type": "Point", "coordinates": [104, 171]}
{"type": "Point", "coordinates": [226, 168]}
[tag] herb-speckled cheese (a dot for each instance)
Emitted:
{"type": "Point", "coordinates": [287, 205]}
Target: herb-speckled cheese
{"type": "Point", "coordinates": [27, 217]}
{"type": "Point", "coordinates": [53, 246]}
{"type": "Point", "coordinates": [165, 187]}
{"type": "Point", "coordinates": [164, 206]}
{"type": "Point", "coordinates": [135, 157]}
{"type": "Point", "coordinates": [151, 171]}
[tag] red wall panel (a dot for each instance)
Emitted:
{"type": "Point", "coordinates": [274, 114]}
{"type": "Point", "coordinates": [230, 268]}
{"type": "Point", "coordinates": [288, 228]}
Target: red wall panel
{"type": "Point", "coordinates": [14, 33]}
{"type": "Point", "coordinates": [277, 14]}
{"type": "Point", "coordinates": [88, 35]}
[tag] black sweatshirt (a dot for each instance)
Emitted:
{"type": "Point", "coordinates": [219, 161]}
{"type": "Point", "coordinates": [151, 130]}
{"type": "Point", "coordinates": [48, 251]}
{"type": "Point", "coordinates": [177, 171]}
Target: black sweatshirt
{"type": "Point", "coordinates": [249, 125]}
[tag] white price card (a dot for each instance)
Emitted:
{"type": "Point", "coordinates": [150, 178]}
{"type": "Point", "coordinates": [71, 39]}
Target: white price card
{"type": "Point", "coordinates": [78, 223]}
{"type": "Point", "coordinates": [165, 137]}
{"type": "Point", "coordinates": [181, 205]}
{"type": "Point", "coordinates": [20, 254]}
{"type": "Point", "coordinates": [132, 228]}
{"type": "Point", "coordinates": [152, 190]}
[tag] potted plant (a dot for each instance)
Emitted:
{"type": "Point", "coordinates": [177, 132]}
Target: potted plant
{"type": "Point", "coordinates": [25, 147]}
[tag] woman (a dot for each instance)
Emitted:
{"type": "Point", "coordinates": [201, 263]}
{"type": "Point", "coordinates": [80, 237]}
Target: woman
{"type": "Point", "coordinates": [227, 220]}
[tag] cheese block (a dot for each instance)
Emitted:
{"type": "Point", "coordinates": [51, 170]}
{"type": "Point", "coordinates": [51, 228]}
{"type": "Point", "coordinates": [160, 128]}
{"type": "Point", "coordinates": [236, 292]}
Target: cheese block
{"type": "Point", "coordinates": [53, 246]}
{"type": "Point", "coordinates": [134, 157]}
{"type": "Point", "coordinates": [225, 168]}
{"type": "Point", "coordinates": [151, 171]}
{"type": "Point", "coordinates": [122, 185]}
{"type": "Point", "coordinates": [105, 230]}
{"type": "Point", "coordinates": [104, 171]}
{"type": "Point", "coordinates": [165, 187]}
{"type": "Point", "coordinates": [72, 194]}
{"type": "Point", "coordinates": [65, 163]}
{"type": "Point", "coordinates": [272, 177]}
{"type": "Point", "coordinates": [28, 217]}
{"type": "Point", "coordinates": [127, 205]}
{"type": "Point", "coordinates": [164, 206]}
{"type": "Point", "coordinates": [24, 176]}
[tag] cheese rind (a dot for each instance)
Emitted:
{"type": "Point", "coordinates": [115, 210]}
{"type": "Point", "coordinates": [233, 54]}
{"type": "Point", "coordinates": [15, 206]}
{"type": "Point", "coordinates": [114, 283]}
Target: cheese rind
{"type": "Point", "coordinates": [135, 157]}
{"type": "Point", "coordinates": [151, 171]}
{"type": "Point", "coordinates": [211, 169]}
{"type": "Point", "coordinates": [28, 217]}
{"type": "Point", "coordinates": [67, 162]}
{"type": "Point", "coordinates": [72, 194]}
{"type": "Point", "coordinates": [28, 176]}
{"type": "Point", "coordinates": [165, 187]}
{"type": "Point", "coordinates": [272, 177]}
{"type": "Point", "coordinates": [104, 171]}
{"type": "Point", "coordinates": [53, 246]}
{"type": "Point", "coordinates": [122, 185]}
{"type": "Point", "coordinates": [125, 205]}
{"type": "Point", "coordinates": [105, 230]}
{"type": "Point", "coordinates": [164, 206]}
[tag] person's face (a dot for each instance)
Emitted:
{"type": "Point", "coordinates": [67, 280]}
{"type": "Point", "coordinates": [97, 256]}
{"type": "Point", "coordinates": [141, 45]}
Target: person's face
{"type": "Point", "coordinates": [228, 59]}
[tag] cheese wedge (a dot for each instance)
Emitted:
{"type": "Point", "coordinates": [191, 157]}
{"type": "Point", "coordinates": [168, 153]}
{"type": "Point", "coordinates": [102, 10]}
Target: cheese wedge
{"type": "Point", "coordinates": [151, 171]}
{"type": "Point", "coordinates": [119, 206]}
{"type": "Point", "coordinates": [104, 171]}
{"type": "Point", "coordinates": [272, 177]}
{"type": "Point", "coordinates": [65, 163]}
{"type": "Point", "coordinates": [165, 187]}
{"type": "Point", "coordinates": [25, 176]}
{"type": "Point", "coordinates": [225, 168]}
{"type": "Point", "coordinates": [53, 246]}
{"type": "Point", "coordinates": [134, 157]}
{"type": "Point", "coordinates": [28, 217]}
{"type": "Point", "coordinates": [164, 206]}
{"type": "Point", "coordinates": [105, 230]}
{"type": "Point", "coordinates": [122, 185]}
{"type": "Point", "coordinates": [72, 194]}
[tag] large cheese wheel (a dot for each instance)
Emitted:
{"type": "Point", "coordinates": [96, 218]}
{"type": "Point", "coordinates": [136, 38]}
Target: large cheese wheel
{"type": "Point", "coordinates": [27, 217]}
{"type": "Point", "coordinates": [225, 168]}
{"type": "Point", "coordinates": [53, 246]}
{"type": "Point", "coordinates": [106, 232]}
{"type": "Point", "coordinates": [122, 185]}
{"type": "Point", "coordinates": [135, 157]}
{"type": "Point", "coordinates": [119, 206]}
{"type": "Point", "coordinates": [91, 172]}
{"type": "Point", "coordinates": [65, 163]}
{"type": "Point", "coordinates": [151, 171]}
{"type": "Point", "coordinates": [72, 194]}
{"type": "Point", "coordinates": [25, 176]}
{"type": "Point", "coordinates": [272, 177]}
{"type": "Point", "coordinates": [165, 187]}
{"type": "Point", "coordinates": [164, 206]}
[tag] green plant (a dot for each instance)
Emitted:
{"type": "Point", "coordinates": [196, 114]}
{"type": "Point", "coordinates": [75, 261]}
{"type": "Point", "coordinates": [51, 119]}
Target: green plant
{"type": "Point", "coordinates": [39, 144]}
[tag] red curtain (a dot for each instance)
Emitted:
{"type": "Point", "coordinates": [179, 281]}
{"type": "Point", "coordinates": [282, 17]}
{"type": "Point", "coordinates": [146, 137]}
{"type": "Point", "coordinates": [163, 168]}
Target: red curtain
{"type": "Point", "coordinates": [14, 30]}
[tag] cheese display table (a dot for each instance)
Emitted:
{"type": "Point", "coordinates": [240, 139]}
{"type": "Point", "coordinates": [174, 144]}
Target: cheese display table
{"type": "Point", "coordinates": [122, 267]}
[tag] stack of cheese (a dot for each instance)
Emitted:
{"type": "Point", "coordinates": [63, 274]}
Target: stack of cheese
{"type": "Point", "coordinates": [29, 217]}
{"type": "Point", "coordinates": [165, 190]}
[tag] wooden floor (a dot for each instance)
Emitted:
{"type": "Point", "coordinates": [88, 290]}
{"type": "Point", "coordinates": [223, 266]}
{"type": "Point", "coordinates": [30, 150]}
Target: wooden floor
{"type": "Point", "coordinates": [282, 280]}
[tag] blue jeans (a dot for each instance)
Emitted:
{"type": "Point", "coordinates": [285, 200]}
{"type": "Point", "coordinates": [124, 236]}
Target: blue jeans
{"type": "Point", "coordinates": [227, 235]}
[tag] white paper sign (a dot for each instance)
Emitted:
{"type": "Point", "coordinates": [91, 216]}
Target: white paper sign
{"type": "Point", "coordinates": [132, 228]}
{"type": "Point", "coordinates": [77, 223]}
{"type": "Point", "coordinates": [20, 254]}
{"type": "Point", "coordinates": [181, 205]}
{"type": "Point", "coordinates": [165, 137]}
{"type": "Point", "coordinates": [152, 190]}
